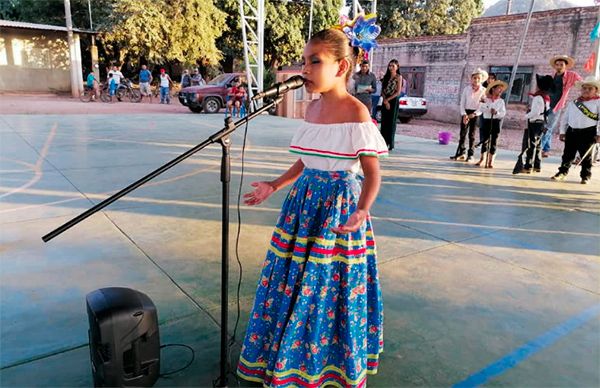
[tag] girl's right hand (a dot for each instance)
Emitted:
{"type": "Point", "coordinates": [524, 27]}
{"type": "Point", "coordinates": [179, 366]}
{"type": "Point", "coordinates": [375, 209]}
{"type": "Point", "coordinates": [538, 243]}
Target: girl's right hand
{"type": "Point", "coordinates": [262, 191]}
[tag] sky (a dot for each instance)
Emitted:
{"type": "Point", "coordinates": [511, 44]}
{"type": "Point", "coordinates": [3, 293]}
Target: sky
{"type": "Point", "coordinates": [584, 3]}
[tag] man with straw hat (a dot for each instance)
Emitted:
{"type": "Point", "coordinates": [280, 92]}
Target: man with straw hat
{"type": "Point", "coordinates": [564, 79]}
{"type": "Point", "coordinates": [493, 111]}
{"type": "Point", "coordinates": [580, 129]}
{"type": "Point", "coordinates": [470, 101]}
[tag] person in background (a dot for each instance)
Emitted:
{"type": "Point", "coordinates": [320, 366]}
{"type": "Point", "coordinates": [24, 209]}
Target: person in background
{"type": "Point", "coordinates": [197, 78]}
{"type": "Point", "coordinates": [115, 79]}
{"type": "Point", "coordinates": [470, 102]}
{"type": "Point", "coordinates": [536, 117]}
{"type": "Point", "coordinates": [365, 84]}
{"type": "Point", "coordinates": [493, 111]}
{"type": "Point", "coordinates": [232, 97]}
{"type": "Point", "coordinates": [391, 87]}
{"type": "Point", "coordinates": [186, 80]}
{"type": "Point", "coordinates": [145, 80]}
{"type": "Point", "coordinates": [491, 78]}
{"type": "Point", "coordinates": [165, 83]}
{"type": "Point", "coordinates": [376, 95]}
{"type": "Point", "coordinates": [580, 129]}
{"type": "Point", "coordinates": [564, 79]}
{"type": "Point", "coordinates": [92, 84]}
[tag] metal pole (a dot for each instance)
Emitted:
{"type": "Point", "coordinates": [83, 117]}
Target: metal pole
{"type": "Point", "coordinates": [508, 4]}
{"type": "Point", "coordinates": [597, 50]}
{"type": "Point", "coordinates": [93, 48]}
{"type": "Point", "coordinates": [75, 87]}
{"type": "Point", "coordinates": [372, 52]}
{"type": "Point", "coordinates": [514, 69]}
{"type": "Point", "coordinates": [310, 20]}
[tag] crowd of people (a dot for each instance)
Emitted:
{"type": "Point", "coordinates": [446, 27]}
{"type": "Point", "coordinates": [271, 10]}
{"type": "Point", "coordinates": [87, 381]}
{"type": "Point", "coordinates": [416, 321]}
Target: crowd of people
{"type": "Point", "coordinates": [115, 79]}
{"type": "Point", "coordinates": [483, 109]}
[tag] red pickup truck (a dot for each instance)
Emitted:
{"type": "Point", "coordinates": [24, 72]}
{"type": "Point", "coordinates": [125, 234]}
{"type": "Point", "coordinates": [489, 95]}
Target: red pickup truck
{"type": "Point", "coordinates": [211, 97]}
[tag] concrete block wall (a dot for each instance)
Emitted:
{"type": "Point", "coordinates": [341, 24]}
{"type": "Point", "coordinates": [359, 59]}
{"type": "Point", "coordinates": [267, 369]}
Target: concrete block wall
{"type": "Point", "coordinates": [491, 41]}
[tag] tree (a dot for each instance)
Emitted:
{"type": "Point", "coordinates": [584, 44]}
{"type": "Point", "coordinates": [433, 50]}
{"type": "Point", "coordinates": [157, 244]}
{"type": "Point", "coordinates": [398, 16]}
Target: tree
{"type": "Point", "coordinates": [286, 28]}
{"type": "Point", "coordinates": [161, 31]}
{"type": "Point", "coordinates": [426, 17]}
{"type": "Point", "coordinates": [53, 11]}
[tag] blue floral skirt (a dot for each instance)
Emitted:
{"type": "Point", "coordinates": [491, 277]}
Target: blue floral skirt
{"type": "Point", "coordinates": [317, 318]}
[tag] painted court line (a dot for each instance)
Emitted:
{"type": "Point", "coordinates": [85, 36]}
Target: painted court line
{"type": "Point", "coordinates": [529, 349]}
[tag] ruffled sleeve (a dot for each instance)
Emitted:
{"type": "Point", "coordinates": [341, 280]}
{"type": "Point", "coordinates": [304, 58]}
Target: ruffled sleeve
{"type": "Point", "coordinates": [367, 140]}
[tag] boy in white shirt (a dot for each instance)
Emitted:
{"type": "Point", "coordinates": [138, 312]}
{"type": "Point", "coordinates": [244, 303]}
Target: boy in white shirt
{"type": "Point", "coordinates": [537, 118]}
{"type": "Point", "coordinates": [493, 111]}
{"type": "Point", "coordinates": [580, 129]}
{"type": "Point", "coordinates": [470, 101]}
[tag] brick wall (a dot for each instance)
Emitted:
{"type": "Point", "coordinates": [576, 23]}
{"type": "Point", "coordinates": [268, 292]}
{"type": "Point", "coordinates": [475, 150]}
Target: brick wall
{"type": "Point", "coordinates": [491, 41]}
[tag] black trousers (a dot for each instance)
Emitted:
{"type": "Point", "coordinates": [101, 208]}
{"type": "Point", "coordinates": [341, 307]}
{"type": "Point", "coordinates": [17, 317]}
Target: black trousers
{"type": "Point", "coordinates": [578, 140]}
{"type": "Point", "coordinates": [388, 122]}
{"type": "Point", "coordinates": [532, 138]}
{"type": "Point", "coordinates": [470, 128]}
{"type": "Point", "coordinates": [490, 130]}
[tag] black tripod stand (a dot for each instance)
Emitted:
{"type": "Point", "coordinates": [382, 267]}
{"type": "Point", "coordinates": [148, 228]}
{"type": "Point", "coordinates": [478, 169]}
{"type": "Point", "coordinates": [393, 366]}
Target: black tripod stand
{"type": "Point", "coordinates": [221, 137]}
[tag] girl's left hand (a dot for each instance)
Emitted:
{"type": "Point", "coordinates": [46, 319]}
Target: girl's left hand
{"type": "Point", "coordinates": [353, 224]}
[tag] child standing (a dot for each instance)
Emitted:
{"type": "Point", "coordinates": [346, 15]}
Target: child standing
{"type": "Point", "coordinates": [318, 316]}
{"type": "Point", "coordinates": [580, 129]}
{"type": "Point", "coordinates": [469, 109]}
{"type": "Point", "coordinates": [536, 120]}
{"type": "Point", "coordinates": [165, 82]}
{"type": "Point", "coordinates": [493, 111]}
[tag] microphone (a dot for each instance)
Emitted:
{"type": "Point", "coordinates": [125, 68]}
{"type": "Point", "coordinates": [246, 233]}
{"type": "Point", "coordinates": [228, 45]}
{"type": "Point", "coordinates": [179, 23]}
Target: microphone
{"type": "Point", "coordinates": [282, 87]}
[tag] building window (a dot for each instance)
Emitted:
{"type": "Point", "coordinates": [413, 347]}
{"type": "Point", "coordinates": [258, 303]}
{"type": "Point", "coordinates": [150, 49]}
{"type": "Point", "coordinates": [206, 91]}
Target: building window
{"type": "Point", "coordinates": [522, 83]}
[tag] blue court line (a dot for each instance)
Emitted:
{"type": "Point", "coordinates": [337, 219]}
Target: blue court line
{"type": "Point", "coordinates": [528, 350]}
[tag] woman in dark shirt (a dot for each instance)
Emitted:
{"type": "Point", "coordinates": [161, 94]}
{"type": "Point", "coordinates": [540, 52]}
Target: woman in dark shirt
{"type": "Point", "coordinates": [390, 90]}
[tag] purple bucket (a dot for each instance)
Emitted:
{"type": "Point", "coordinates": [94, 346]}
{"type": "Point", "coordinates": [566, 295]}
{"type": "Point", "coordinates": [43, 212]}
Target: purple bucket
{"type": "Point", "coordinates": [444, 137]}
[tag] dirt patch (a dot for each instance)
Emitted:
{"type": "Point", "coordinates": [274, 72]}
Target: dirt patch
{"type": "Point", "coordinates": [62, 104]}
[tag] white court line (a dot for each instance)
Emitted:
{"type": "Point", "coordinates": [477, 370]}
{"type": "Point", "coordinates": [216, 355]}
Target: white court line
{"type": "Point", "coordinates": [37, 167]}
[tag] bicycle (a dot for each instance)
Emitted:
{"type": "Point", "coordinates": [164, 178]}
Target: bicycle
{"type": "Point", "coordinates": [87, 94]}
{"type": "Point", "coordinates": [125, 89]}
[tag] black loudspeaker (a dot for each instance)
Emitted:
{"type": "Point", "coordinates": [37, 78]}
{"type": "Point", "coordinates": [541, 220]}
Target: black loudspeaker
{"type": "Point", "coordinates": [124, 340]}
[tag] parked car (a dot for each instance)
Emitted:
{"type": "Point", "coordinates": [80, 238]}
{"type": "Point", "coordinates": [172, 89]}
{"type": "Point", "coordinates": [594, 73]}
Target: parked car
{"type": "Point", "coordinates": [408, 107]}
{"type": "Point", "coordinates": [210, 97]}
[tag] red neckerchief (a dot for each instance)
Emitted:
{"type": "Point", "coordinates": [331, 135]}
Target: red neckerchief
{"type": "Point", "coordinates": [582, 99]}
{"type": "Point", "coordinates": [538, 93]}
{"type": "Point", "coordinates": [476, 90]}
{"type": "Point", "coordinates": [494, 98]}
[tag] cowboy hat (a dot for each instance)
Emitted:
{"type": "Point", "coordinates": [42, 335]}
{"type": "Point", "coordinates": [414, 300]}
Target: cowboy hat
{"type": "Point", "coordinates": [570, 61]}
{"type": "Point", "coordinates": [480, 71]}
{"type": "Point", "coordinates": [545, 83]}
{"type": "Point", "coordinates": [589, 80]}
{"type": "Point", "coordinates": [494, 84]}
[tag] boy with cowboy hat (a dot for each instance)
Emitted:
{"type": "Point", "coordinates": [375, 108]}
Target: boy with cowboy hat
{"type": "Point", "coordinates": [470, 101]}
{"type": "Point", "coordinates": [580, 129]}
{"type": "Point", "coordinates": [536, 117]}
{"type": "Point", "coordinates": [493, 111]}
{"type": "Point", "coordinates": [564, 79]}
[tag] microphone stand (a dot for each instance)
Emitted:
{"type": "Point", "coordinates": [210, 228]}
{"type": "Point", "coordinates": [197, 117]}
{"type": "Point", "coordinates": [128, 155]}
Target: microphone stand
{"type": "Point", "coordinates": [222, 137]}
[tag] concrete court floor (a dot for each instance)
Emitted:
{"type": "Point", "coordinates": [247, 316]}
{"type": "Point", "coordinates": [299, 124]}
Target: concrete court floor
{"type": "Point", "coordinates": [484, 274]}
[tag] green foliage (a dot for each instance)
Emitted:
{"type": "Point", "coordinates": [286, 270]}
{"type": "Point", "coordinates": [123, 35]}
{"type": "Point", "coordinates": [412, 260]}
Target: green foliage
{"type": "Point", "coordinates": [161, 31]}
{"type": "Point", "coordinates": [286, 28]}
{"type": "Point", "coordinates": [53, 11]}
{"type": "Point", "coordinates": [406, 18]}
